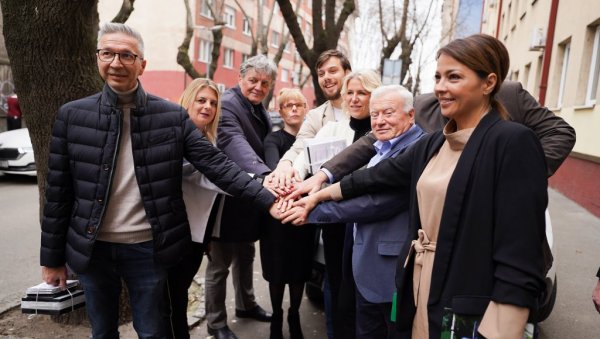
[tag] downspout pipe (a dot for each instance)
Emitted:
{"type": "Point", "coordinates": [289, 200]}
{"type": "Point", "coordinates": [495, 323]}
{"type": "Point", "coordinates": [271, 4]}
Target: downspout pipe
{"type": "Point", "coordinates": [481, 19]}
{"type": "Point", "coordinates": [499, 19]}
{"type": "Point", "coordinates": [548, 51]}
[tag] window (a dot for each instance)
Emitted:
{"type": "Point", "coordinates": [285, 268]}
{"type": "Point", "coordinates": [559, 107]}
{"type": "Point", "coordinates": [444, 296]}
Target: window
{"type": "Point", "coordinates": [592, 86]}
{"type": "Point", "coordinates": [245, 57]}
{"type": "Point", "coordinates": [247, 26]}
{"type": "Point", "coordinates": [275, 39]}
{"type": "Point", "coordinates": [228, 58]}
{"type": "Point", "coordinates": [284, 75]}
{"type": "Point", "coordinates": [526, 72]}
{"type": "Point", "coordinates": [229, 17]}
{"type": "Point", "coordinates": [538, 77]}
{"type": "Point", "coordinates": [287, 47]}
{"type": "Point", "coordinates": [508, 16]}
{"type": "Point", "coordinates": [566, 50]}
{"type": "Point", "coordinates": [204, 54]}
{"type": "Point", "coordinates": [221, 87]}
{"type": "Point", "coordinates": [205, 8]}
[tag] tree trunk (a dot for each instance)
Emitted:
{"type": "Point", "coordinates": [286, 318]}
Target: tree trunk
{"type": "Point", "coordinates": [51, 47]}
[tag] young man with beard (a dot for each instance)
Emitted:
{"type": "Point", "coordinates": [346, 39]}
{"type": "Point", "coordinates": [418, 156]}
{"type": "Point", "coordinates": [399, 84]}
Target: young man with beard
{"type": "Point", "coordinates": [332, 66]}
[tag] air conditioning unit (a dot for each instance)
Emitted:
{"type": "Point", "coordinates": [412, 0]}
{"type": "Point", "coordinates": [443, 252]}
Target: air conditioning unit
{"type": "Point", "coordinates": [538, 39]}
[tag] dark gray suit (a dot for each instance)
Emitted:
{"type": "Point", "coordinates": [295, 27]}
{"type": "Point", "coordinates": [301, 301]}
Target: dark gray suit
{"type": "Point", "coordinates": [556, 136]}
{"type": "Point", "coordinates": [242, 128]}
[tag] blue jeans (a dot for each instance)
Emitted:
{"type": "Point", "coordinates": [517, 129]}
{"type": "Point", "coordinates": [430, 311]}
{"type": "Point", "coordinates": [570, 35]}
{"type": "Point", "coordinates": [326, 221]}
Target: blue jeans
{"type": "Point", "coordinates": [145, 281]}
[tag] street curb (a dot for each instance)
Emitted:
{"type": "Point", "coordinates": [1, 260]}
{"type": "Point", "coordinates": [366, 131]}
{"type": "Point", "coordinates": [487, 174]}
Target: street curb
{"type": "Point", "coordinates": [9, 307]}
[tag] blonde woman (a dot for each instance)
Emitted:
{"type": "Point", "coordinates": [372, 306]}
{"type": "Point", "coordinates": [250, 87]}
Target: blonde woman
{"type": "Point", "coordinates": [202, 100]}
{"type": "Point", "coordinates": [356, 95]}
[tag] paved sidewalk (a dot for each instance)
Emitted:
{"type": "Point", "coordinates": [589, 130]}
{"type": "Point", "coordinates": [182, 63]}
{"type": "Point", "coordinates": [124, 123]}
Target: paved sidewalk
{"type": "Point", "coordinates": [576, 237]}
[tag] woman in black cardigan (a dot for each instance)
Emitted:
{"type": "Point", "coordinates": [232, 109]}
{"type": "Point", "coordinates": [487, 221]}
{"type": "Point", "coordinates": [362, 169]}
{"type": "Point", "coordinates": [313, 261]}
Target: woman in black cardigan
{"type": "Point", "coordinates": [286, 252]}
{"type": "Point", "coordinates": [478, 193]}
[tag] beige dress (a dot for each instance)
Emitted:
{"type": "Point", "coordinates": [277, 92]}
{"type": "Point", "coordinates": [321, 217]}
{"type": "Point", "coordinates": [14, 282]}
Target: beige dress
{"type": "Point", "coordinates": [431, 194]}
{"type": "Point", "coordinates": [499, 320]}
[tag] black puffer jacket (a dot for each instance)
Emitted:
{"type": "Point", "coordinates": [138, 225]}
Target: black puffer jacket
{"type": "Point", "coordinates": [83, 152]}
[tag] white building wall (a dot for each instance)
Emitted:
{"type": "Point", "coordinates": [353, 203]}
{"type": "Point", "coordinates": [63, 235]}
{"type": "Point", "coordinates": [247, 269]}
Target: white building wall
{"type": "Point", "coordinates": [162, 25]}
{"type": "Point", "coordinates": [575, 24]}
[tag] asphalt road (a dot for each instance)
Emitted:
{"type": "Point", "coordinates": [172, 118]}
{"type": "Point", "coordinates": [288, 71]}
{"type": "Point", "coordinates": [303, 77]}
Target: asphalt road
{"type": "Point", "coordinates": [576, 237]}
{"type": "Point", "coordinates": [19, 238]}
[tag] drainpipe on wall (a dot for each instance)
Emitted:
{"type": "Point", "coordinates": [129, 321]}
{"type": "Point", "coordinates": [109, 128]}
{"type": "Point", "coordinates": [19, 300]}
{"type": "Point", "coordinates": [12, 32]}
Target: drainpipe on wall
{"type": "Point", "coordinates": [499, 19]}
{"type": "Point", "coordinates": [548, 51]}
{"type": "Point", "coordinates": [481, 19]}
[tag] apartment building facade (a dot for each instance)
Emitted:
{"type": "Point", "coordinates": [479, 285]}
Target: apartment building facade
{"type": "Point", "coordinates": [555, 53]}
{"type": "Point", "coordinates": [163, 24]}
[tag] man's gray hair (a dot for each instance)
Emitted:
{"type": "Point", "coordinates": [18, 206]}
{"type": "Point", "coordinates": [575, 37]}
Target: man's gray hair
{"type": "Point", "coordinates": [112, 27]}
{"type": "Point", "coordinates": [261, 64]}
{"type": "Point", "coordinates": [398, 89]}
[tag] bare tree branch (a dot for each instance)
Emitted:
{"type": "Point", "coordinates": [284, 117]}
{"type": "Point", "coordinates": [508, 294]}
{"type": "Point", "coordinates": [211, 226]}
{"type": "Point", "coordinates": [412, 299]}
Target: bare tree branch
{"type": "Point", "coordinates": [124, 12]}
{"type": "Point", "coordinates": [183, 57]}
{"type": "Point", "coordinates": [322, 40]}
{"type": "Point", "coordinates": [254, 46]}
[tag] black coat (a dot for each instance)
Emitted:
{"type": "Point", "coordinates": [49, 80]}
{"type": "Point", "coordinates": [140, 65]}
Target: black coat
{"type": "Point", "coordinates": [83, 152]}
{"type": "Point", "coordinates": [492, 228]}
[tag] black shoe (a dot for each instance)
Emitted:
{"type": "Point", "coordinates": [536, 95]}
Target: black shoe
{"type": "Point", "coordinates": [222, 333]}
{"type": "Point", "coordinates": [256, 313]}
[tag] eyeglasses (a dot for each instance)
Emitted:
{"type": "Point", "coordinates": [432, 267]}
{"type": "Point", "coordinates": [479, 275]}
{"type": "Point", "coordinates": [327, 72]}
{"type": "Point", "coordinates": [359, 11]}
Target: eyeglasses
{"type": "Point", "coordinates": [386, 114]}
{"type": "Point", "coordinates": [126, 58]}
{"type": "Point", "coordinates": [291, 105]}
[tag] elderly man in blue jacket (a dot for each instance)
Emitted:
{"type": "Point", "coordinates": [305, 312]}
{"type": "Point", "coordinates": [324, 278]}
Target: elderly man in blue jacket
{"type": "Point", "coordinates": [380, 222]}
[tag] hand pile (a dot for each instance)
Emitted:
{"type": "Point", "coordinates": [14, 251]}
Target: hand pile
{"type": "Point", "coordinates": [290, 206]}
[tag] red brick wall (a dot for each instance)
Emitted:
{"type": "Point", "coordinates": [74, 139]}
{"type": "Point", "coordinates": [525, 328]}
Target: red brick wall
{"type": "Point", "coordinates": [165, 84]}
{"type": "Point", "coordinates": [579, 180]}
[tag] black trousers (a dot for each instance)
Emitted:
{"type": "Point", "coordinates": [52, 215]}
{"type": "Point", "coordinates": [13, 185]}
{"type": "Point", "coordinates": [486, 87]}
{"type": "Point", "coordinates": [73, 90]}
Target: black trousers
{"type": "Point", "coordinates": [179, 281]}
{"type": "Point", "coordinates": [342, 290]}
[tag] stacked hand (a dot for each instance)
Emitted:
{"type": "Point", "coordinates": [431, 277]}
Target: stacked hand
{"type": "Point", "coordinates": [289, 187]}
{"type": "Point", "coordinates": [298, 213]}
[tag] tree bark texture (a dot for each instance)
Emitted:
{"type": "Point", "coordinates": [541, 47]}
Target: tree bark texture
{"type": "Point", "coordinates": [324, 37]}
{"type": "Point", "coordinates": [51, 46]}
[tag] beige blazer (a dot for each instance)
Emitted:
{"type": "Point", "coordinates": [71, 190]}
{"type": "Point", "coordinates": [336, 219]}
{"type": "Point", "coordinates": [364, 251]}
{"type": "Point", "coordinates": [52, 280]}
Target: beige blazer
{"type": "Point", "coordinates": [314, 121]}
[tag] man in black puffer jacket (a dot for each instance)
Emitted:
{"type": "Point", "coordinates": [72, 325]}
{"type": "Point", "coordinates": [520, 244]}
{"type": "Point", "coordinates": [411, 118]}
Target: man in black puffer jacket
{"type": "Point", "coordinates": [114, 208]}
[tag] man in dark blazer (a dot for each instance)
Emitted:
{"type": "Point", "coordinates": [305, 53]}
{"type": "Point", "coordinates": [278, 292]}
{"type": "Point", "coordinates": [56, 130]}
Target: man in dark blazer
{"type": "Point", "coordinates": [380, 232]}
{"type": "Point", "coordinates": [556, 135]}
{"type": "Point", "coordinates": [243, 126]}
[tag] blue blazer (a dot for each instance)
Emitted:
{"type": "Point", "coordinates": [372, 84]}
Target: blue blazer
{"type": "Point", "coordinates": [381, 231]}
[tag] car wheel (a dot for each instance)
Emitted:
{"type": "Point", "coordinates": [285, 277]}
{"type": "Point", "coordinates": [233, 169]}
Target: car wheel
{"type": "Point", "coordinates": [548, 301]}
